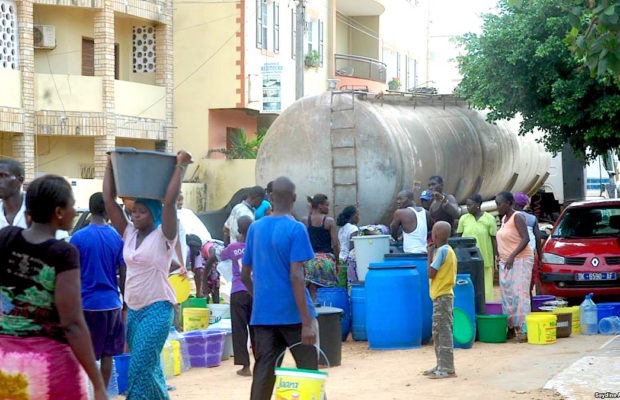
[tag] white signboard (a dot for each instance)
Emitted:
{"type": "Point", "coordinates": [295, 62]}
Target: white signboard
{"type": "Point", "coordinates": [272, 87]}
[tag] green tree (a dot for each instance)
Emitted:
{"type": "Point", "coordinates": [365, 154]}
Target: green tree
{"type": "Point", "coordinates": [241, 146]}
{"type": "Point", "coordinates": [520, 64]}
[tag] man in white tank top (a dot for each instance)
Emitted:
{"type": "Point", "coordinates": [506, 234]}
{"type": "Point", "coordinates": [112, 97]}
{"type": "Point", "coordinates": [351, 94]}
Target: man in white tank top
{"type": "Point", "coordinates": [414, 222]}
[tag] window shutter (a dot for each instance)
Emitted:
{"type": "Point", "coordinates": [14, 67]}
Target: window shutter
{"type": "Point", "coordinates": [321, 36]}
{"type": "Point", "coordinates": [293, 33]}
{"type": "Point", "coordinates": [276, 28]}
{"type": "Point", "coordinates": [88, 57]}
{"type": "Point", "coordinates": [259, 24]}
{"type": "Point", "coordinates": [398, 65]}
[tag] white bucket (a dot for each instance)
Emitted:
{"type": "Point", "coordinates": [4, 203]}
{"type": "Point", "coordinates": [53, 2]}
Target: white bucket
{"type": "Point", "coordinates": [369, 249]}
{"type": "Point", "coordinates": [218, 312]}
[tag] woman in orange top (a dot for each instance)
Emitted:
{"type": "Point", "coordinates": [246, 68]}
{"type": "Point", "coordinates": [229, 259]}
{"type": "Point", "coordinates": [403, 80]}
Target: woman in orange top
{"type": "Point", "coordinates": [515, 265]}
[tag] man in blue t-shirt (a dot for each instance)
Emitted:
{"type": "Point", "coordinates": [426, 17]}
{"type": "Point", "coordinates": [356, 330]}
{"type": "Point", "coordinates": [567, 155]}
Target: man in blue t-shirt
{"type": "Point", "coordinates": [101, 252]}
{"type": "Point", "coordinates": [273, 272]}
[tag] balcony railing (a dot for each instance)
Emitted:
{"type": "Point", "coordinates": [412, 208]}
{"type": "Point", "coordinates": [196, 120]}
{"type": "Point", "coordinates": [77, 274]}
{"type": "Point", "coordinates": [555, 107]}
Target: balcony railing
{"type": "Point", "coordinates": [360, 67]}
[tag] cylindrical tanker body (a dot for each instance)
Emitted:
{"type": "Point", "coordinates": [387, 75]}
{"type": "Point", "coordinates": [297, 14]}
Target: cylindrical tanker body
{"type": "Point", "coordinates": [366, 151]}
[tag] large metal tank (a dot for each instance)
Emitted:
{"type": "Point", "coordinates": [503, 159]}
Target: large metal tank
{"type": "Point", "coordinates": [364, 151]}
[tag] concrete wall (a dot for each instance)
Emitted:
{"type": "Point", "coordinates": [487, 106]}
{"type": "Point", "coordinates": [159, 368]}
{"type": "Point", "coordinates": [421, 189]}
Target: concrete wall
{"type": "Point", "coordinates": [224, 178]}
{"type": "Point", "coordinates": [63, 155]}
{"type": "Point", "coordinates": [204, 69]}
{"type": "Point", "coordinates": [71, 25]}
{"type": "Point", "coordinates": [10, 88]}
{"type": "Point", "coordinates": [68, 92]}
{"type": "Point", "coordinates": [342, 38]}
{"type": "Point", "coordinates": [123, 31]}
{"type": "Point", "coordinates": [139, 100]}
{"type": "Point", "coordinates": [362, 44]}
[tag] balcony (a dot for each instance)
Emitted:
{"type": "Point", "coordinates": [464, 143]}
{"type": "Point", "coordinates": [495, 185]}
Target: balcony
{"type": "Point", "coordinates": [350, 66]}
{"type": "Point", "coordinates": [139, 100]}
{"type": "Point", "coordinates": [11, 92]}
{"type": "Point", "coordinates": [68, 93]}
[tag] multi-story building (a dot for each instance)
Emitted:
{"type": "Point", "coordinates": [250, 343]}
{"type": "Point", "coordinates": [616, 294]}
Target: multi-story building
{"type": "Point", "coordinates": [80, 77]}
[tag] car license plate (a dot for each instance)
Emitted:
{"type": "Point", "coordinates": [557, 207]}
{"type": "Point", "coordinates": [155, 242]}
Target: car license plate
{"type": "Point", "coordinates": [595, 276]}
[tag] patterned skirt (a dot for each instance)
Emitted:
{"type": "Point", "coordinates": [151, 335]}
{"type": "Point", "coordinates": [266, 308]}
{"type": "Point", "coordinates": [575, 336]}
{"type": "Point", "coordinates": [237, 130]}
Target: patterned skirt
{"type": "Point", "coordinates": [321, 270]}
{"type": "Point", "coordinates": [39, 368]}
{"type": "Point", "coordinates": [514, 287]}
{"type": "Point", "coordinates": [147, 331]}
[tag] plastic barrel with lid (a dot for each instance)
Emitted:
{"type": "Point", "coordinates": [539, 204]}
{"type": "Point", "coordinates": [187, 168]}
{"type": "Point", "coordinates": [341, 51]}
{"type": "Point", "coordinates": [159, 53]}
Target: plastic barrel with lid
{"type": "Point", "coordinates": [330, 334]}
{"type": "Point", "coordinates": [464, 312]}
{"type": "Point", "coordinates": [358, 311]}
{"type": "Point", "coordinates": [420, 261]}
{"type": "Point", "coordinates": [469, 261]}
{"type": "Point", "coordinates": [337, 297]}
{"type": "Point", "coordinates": [393, 309]}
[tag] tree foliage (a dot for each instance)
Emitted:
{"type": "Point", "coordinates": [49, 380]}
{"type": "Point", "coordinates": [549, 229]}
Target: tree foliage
{"type": "Point", "coordinates": [520, 64]}
{"type": "Point", "coordinates": [241, 146]}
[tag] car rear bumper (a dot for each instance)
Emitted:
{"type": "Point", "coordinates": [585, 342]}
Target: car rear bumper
{"type": "Point", "coordinates": [565, 285]}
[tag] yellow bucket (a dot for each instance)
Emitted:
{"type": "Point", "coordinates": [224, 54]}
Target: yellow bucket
{"type": "Point", "coordinates": [541, 329]}
{"type": "Point", "coordinates": [575, 328]}
{"type": "Point", "coordinates": [176, 356]}
{"type": "Point", "coordinates": [195, 319]}
{"type": "Point", "coordinates": [300, 384]}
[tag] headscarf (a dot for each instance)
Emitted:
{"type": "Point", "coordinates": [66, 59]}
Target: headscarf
{"type": "Point", "coordinates": [155, 207]}
{"type": "Point", "coordinates": [521, 199]}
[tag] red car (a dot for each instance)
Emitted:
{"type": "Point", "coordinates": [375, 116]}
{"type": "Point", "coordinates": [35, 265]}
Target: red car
{"type": "Point", "coordinates": [582, 255]}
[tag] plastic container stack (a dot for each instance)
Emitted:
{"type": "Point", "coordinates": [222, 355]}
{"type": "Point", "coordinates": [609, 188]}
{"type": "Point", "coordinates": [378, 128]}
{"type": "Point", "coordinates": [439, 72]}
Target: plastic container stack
{"type": "Point", "coordinates": [588, 315]}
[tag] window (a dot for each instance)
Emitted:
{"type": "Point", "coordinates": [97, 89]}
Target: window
{"type": "Point", "coordinates": [143, 49]}
{"type": "Point", "coordinates": [321, 42]}
{"type": "Point", "coordinates": [410, 73]}
{"type": "Point", "coordinates": [391, 59]}
{"type": "Point", "coordinates": [276, 28]}
{"type": "Point", "coordinates": [586, 222]}
{"type": "Point", "coordinates": [9, 45]}
{"type": "Point", "coordinates": [262, 20]}
{"type": "Point", "coordinates": [314, 37]}
{"type": "Point", "coordinates": [293, 33]}
{"type": "Point", "coordinates": [309, 37]}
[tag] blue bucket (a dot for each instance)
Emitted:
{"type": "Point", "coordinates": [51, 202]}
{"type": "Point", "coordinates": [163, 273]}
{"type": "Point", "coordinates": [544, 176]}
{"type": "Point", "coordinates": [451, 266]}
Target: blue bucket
{"type": "Point", "coordinates": [337, 297]}
{"type": "Point", "coordinates": [122, 369]}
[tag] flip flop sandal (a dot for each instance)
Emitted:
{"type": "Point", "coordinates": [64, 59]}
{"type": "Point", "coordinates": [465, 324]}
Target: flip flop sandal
{"type": "Point", "coordinates": [442, 375]}
{"type": "Point", "coordinates": [429, 371]}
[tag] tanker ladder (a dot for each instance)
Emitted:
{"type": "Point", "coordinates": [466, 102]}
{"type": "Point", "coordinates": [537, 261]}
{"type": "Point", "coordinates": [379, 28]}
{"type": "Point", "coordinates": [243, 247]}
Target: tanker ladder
{"type": "Point", "coordinates": [343, 142]}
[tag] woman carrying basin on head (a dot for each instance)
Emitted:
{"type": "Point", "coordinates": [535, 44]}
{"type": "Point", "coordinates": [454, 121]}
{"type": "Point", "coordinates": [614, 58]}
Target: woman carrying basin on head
{"type": "Point", "coordinates": [150, 240]}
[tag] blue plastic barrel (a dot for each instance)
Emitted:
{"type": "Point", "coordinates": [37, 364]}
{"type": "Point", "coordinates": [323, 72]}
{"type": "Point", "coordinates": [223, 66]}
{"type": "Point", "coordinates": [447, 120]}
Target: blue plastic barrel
{"type": "Point", "coordinates": [420, 261]}
{"type": "Point", "coordinates": [464, 298]}
{"type": "Point", "coordinates": [358, 311]}
{"type": "Point", "coordinates": [393, 309]}
{"type": "Point", "coordinates": [337, 297]}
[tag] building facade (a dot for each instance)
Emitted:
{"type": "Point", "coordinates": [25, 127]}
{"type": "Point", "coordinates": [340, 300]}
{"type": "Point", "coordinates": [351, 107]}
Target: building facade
{"type": "Point", "coordinates": [81, 77]}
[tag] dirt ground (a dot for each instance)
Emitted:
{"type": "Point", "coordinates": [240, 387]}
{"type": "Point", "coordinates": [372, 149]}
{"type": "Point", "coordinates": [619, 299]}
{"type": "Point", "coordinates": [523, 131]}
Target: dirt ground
{"type": "Point", "coordinates": [487, 371]}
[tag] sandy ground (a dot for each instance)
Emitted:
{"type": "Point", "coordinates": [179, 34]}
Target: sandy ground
{"type": "Point", "coordinates": [487, 371]}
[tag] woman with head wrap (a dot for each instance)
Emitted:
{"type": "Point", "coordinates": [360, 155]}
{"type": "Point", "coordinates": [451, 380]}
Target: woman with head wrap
{"type": "Point", "coordinates": [150, 240]}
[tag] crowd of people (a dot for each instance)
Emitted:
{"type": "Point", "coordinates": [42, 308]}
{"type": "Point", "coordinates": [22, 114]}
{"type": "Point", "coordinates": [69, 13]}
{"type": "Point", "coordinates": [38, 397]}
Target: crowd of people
{"type": "Point", "coordinates": [61, 303]}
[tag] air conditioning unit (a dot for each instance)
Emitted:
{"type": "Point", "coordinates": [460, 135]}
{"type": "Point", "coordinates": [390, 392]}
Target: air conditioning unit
{"type": "Point", "coordinates": [44, 37]}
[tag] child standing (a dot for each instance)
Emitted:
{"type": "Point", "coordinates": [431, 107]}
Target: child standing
{"type": "Point", "coordinates": [240, 299]}
{"type": "Point", "coordinates": [442, 273]}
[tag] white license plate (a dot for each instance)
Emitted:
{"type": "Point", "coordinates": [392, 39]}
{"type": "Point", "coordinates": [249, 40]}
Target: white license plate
{"type": "Point", "coordinates": [595, 276]}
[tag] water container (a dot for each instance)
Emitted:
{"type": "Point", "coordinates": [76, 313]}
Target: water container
{"type": "Point", "coordinates": [393, 309]}
{"type": "Point", "coordinates": [540, 300]}
{"type": "Point", "coordinates": [132, 167]}
{"type": "Point", "coordinates": [616, 309]}
{"type": "Point", "coordinates": [369, 249]}
{"type": "Point", "coordinates": [337, 297]}
{"type": "Point", "coordinates": [121, 362]}
{"type": "Point", "coordinates": [604, 310]}
{"type": "Point", "coordinates": [218, 312]}
{"type": "Point", "coordinates": [167, 360]}
{"type": "Point", "coordinates": [330, 336]}
{"type": "Point", "coordinates": [469, 261]}
{"type": "Point", "coordinates": [226, 326]}
{"type": "Point", "coordinates": [358, 311]}
{"type": "Point", "coordinates": [493, 308]}
{"type": "Point", "coordinates": [609, 326]}
{"type": "Point", "coordinates": [588, 316]}
{"type": "Point", "coordinates": [464, 299]}
{"type": "Point", "coordinates": [420, 261]}
{"type": "Point", "coordinates": [113, 384]}
{"type": "Point", "coordinates": [184, 354]}
{"type": "Point", "coordinates": [205, 347]}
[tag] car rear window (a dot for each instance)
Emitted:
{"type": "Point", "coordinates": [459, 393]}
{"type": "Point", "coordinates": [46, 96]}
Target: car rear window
{"type": "Point", "coordinates": [587, 222]}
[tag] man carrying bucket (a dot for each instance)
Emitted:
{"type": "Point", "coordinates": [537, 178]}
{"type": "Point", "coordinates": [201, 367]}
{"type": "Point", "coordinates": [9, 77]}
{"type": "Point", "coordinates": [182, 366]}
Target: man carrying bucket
{"type": "Point", "coordinates": [273, 267]}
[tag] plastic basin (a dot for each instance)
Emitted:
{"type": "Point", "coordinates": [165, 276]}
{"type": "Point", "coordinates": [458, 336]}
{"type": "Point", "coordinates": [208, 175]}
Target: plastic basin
{"type": "Point", "coordinates": [492, 328]}
{"type": "Point", "coordinates": [205, 347]}
{"type": "Point", "coordinates": [493, 308]}
{"type": "Point", "coordinates": [540, 300]}
{"type": "Point", "coordinates": [135, 170]}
